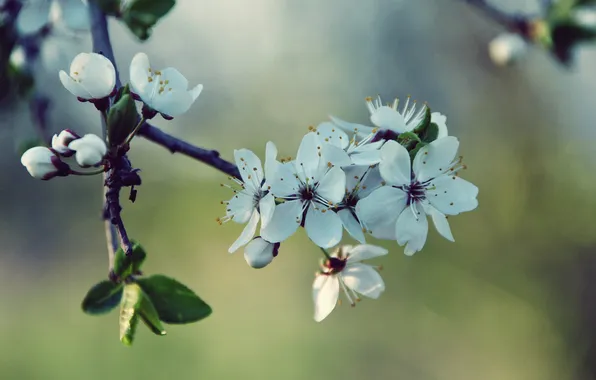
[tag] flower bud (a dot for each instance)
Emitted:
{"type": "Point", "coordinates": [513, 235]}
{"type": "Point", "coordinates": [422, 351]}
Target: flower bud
{"type": "Point", "coordinates": [259, 252]}
{"type": "Point", "coordinates": [92, 77]}
{"type": "Point", "coordinates": [506, 48]}
{"type": "Point", "coordinates": [60, 142]}
{"type": "Point", "coordinates": [43, 163]}
{"type": "Point", "coordinates": [90, 150]}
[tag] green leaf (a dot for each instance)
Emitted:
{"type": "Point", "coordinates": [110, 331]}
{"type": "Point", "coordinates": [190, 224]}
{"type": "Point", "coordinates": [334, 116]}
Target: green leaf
{"type": "Point", "coordinates": [125, 266]}
{"type": "Point", "coordinates": [142, 15]}
{"type": "Point", "coordinates": [408, 140]}
{"type": "Point", "coordinates": [122, 118]}
{"type": "Point", "coordinates": [175, 303]}
{"type": "Point", "coordinates": [414, 151]}
{"type": "Point", "coordinates": [150, 316]}
{"type": "Point", "coordinates": [109, 7]}
{"type": "Point", "coordinates": [425, 122]}
{"type": "Point", "coordinates": [102, 298]}
{"type": "Point", "coordinates": [430, 134]}
{"type": "Point", "coordinates": [129, 318]}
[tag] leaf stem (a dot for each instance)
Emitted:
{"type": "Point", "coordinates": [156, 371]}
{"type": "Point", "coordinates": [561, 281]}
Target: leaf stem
{"type": "Point", "coordinates": [95, 172]}
{"type": "Point", "coordinates": [325, 253]}
{"type": "Point", "coordinates": [134, 131]}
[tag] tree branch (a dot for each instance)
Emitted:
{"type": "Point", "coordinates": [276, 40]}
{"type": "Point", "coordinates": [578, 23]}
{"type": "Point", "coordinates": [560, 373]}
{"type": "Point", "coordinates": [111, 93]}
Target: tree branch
{"type": "Point", "coordinates": [175, 145]}
{"type": "Point", "coordinates": [513, 21]}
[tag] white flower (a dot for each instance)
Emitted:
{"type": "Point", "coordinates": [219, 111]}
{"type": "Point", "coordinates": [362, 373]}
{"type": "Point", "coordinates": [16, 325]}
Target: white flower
{"type": "Point", "coordinates": [18, 59]}
{"type": "Point", "coordinates": [92, 77]}
{"type": "Point", "coordinates": [342, 150]}
{"type": "Point", "coordinates": [90, 150]}
{"type": "Point", "coordinates": [430, 188]}
{"type": "Point", "coordinates": [506, 48]}
{"type": "Point", "coordinates": [259, 252]}
{"type": "Point", "coordinates": [165, 91]}
{"type": "Point", "coordinates": [36, 14]}
{"type": "Point", "coordinates": [345, 270]}
{"type": "Point", "coordinates": [390, 121]}
{"type": "Point", "coordinates": [360, 182]}
{"type": "Point", "coordinates": [60, 142]}
{"type": "Point", "coordinates": [254, 201]}
{"type": "Point", "coordinates": [43, 163]}
{"type": "Point", "coordinates": [310, 188]}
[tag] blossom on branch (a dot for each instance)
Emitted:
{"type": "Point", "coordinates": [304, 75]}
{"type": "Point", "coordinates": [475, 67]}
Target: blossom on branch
{"type": "Point", "coordinates": [44, 163]}
{"type": "Point", "coordinates": [90, 150]}
{"type": "Point", "coordinates": [343, 269]}
{"type": "Point", "coordinates": [92, 77]}
{"type": "Point", "coordinates": [60, 142]}
{"type": "Point", "coordinates": [259, 252]}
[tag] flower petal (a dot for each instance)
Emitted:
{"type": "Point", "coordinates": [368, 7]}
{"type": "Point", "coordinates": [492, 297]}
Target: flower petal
{"type": "Point", "coordinates": [259, 253]}
{"type": "Point", "coordinates": [96, 74]}
{"type": "Point", "coordinates": [331, 134]}
{"type": "Point", "coordinates": [365, 252]}
{"type": "Point", "coordinates": [354, 175]}
{"type": "Point", "coordinates": [441, 121]}
{"type": "Point", "coordinates": [248, 232]}
{"type": "Point", "coordinates": [140, 71]}
{"type": "Point", "coordinates": [172, 78]}
{"type": "Point", "coordinates": [282, 180]}
{"type": "Point", "coordinates": [411, 229]}
{"type": "Point", "coordinates": [270, 160]}
{"type": "Point", "coordinates": [335, 156]}
{"type": "Point", "coordinates": [370, 157]}
{"type": "Point", "coordinates": [351, 224]}
{"type": "Point", "coordinates": [359, 130]}
{"type": "Point", "coordinates": [388, 118]}
{"type": "Point", "coordinates": [241, 206]}
{"type": "Point", "coordinates": [33, 16]}
{"type": "Point", "coordinates": [333, 185]}
{"type": "Point", "coordinates": [308, 157]}
{"type": "Point", "coordinates": [363, 279]}
{"type": "Point", "coordinates": [325, 292]}
{"type": "Point", "coordinates": [440, 222]}
{"type": "Point", "coordinates": [285, 221]}
{"type": "Point", "coordinates": [251, 169]}
{"type": "Point", "coordinates": [73, 87]}
{"type": "Point", "coordinates": [171, 103]}
{"type": "Point", "coordinates": [452, 195]}
{"type": "Point", "coordinates": [435, 158]}
{"type": "Point", "coordinates": [322, 226]}
{"type": "Point", "coordinates": [381, 207]}
{"type": "Point", "coordinates": [266, 208]}
{"type": "Point", "coordinates": [395, 164]}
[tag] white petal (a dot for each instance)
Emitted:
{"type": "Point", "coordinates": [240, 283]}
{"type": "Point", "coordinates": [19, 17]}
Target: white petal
{"type": "Point", "coordinates": [388, 118]}
{"type": "Point", "coordinates": [139, 74]}
{"type": "Point", "coordinates": [363, 279]}
{"type": "Point", "coordinates": [73, 87]}
{"type": "Point", "coordinates": [351, 224]}
{"type": "Point", "coordinates": [283, 180]}
{"type": "Point", "coordinates": [381, 207]}
{"type": "Point", "coordinates": [171, 103]}
{"type": "Point", "coordinates": [354, 175]}
{"type": "Point", "coordinates": [364, 252]}
{"type": "Point", "coordinates": [372, 181]}
{"type": "Point", "coordinates": [331, 134]}
{"type": "Point", "coordinates": [248, 232]}
{"type": "Point", "coordinates": [435, 158]}
{"type": "Point", "coordinates": [370, 157]}
{"type": "Point", "coordinates": [411, 229]}
{"type": "Point", "coordinates": [266, 208]}
{"type": "Point", "coordinates": [395, 164]}
{"type": "Point", "coordinates": [441, 121]}
{"type": "Point", "coordinates": [325, 292]}
{"type": "Point", "coordinates": [96, 74]}
{"type": "Point", "coordinates": [90, 149]}
{"type": "Point", "coordinates": [241, 206]}
{"type": "Point", "coordinates": [175, 79]}
{"type": "Point", "coordinates": [440, 222]}
{"type": "Point", "coordinates": [33, 16]}
{"type": "Point", "coordinates": [270, 160]}
{"type": "Point", "coordinates": [75, 15]}
{"type": "Point", "coordinates": [250, 168]}
{"type": "Point", "coordinates": [335, 156]}
{"type": "Point", "coordinates": [452, 195]}
{"type": "Point", "coordinates": [285, 221]}
{"type": "Point", "coordinates": [384, 231]}
{"type": "Point", "coordinates": [195, 91]}
{"type": "Point", "coordinates": [360, 130]}
{"type": "Point", "coordinates": [258, 253]}
{"type": "Point", "coordinates": [307, 159]}
{"type": "Point", "coordinates": [323, 228]}
{"type": "Point", "coordinates": [333, 185]}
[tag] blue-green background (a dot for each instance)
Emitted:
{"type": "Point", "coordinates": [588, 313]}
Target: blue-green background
{"type": "Point", "coordinates": [513, 298]}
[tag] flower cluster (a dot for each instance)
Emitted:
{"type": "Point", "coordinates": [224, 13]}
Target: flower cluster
{"type": "Point", "coordinates": [383, 180]}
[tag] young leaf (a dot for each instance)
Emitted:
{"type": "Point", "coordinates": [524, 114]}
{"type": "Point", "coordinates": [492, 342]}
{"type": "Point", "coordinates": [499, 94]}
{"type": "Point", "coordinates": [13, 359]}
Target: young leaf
{"type": "Point", "coordinates": [414, 151]}
{"type": "Point", "coordinates": [175, 303]}
{"type": "Point", "coordinates": [102, 298]}
{"type": "Point", "coordinates": [424, 123]}
{"type": "Point", "coordinates": [125, 266]}
{"type": "Point", "coordinates": [129, 317]}
{"type": "Point", "coordinates": [150, 317]}
{"type": "Point", "coordinates": [141, 15]}
{"type": "Point", "coordinates": [122, 118]}
{"type": "Point", "coordinates": [408, 140]}
{"type": "Point", "coordinates": [430, 134]}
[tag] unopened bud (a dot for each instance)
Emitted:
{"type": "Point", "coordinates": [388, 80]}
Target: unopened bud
{"type": "Point", "coordinates": [506, 48]}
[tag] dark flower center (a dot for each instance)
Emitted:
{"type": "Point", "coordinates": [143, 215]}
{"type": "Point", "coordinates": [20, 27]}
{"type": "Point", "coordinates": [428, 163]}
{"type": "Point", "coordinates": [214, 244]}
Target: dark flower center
{"type": "Point", "coordinates": [415, 192]}
{"type": "Point", "coordinates": [306, 193]}
{"type": "Point", "coordinates": [335, 265]}
{"type": "Point", "coordinates": [385, 134]}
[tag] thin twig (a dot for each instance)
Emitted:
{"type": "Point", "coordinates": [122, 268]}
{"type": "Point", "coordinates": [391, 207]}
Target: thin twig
{"type": "Point", "coordinates": [515, 22]}
{"type": "Point", "coordinates": [175, 145]}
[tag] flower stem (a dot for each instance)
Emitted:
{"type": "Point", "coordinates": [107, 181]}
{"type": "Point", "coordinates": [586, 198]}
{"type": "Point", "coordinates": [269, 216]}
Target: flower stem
{"type": "Point", "coordinates": [96, 172]}
{"type": "Point", "coordinates": [134, 131]}
{"type": "Point", "coordinates": [325, 253]}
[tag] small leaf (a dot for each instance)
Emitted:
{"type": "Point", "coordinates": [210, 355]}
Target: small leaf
{"type": "Point", "coordinates": [430, 134]}
{"type": "Point", "coordinates": [408, 140]}
{"type": "Point", "coordinates": [414, 151]}
{"type": "Point", "coordinates": [142, 15]}
{"type": "Point", "coordinates": [125, 266]}
{"type": "Point", "coordinates": [175, 303]}
{"type": "Point", "coordinates": [150, 316]}
{"type": "Point", "coordinates": [425, 122]}
{"type": "Point", "coordinates": [122, 118]}
{"type": "Point", "coordinates": [129, 318]}
{"type": "Point", "coordinates": [102, 298]}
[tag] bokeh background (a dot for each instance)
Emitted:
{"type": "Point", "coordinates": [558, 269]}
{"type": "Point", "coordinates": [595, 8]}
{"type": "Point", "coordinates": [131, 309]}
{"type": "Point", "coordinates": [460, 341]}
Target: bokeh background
{"type": "Point", "coordinates": [513, 298]}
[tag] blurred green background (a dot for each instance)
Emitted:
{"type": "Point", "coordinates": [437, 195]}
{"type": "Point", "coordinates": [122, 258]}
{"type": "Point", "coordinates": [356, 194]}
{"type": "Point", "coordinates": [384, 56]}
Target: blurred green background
{"type": "Point", "coordinates": [513, 298]}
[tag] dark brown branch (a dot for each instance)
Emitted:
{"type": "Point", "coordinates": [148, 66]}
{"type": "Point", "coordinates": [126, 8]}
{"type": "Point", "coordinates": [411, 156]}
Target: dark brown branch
{"type": "Point", "coordinates": [515, 22]}
{"type": "Point", "coordinates": [175, 145]}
